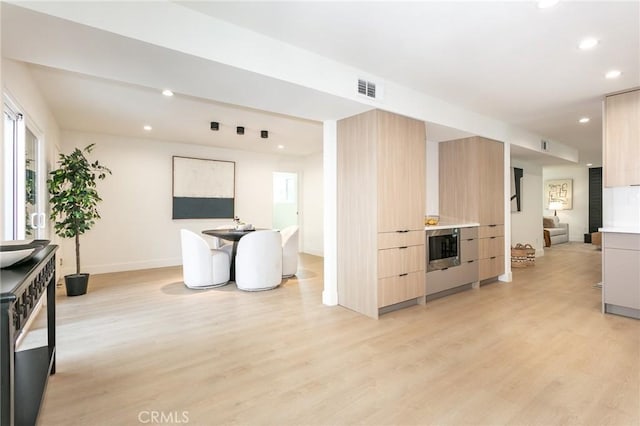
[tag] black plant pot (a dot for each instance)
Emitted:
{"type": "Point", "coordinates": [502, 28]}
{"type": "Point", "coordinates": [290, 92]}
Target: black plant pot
{"type": "Point", "coordinates": [76, 284]}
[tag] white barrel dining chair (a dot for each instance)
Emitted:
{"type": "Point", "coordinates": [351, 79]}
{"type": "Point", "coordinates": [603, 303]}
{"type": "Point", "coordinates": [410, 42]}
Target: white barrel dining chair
{"type": "Point", "coordinates": [259, 261]}
{"type": "Point", "coordinates": [289, 250]}
{"type": "Point", "coordinates": [202, 267]}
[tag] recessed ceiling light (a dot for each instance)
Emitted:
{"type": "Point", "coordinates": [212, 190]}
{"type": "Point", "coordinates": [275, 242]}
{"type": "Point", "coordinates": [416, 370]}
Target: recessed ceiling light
{"type": "Point", "coordinates": [147, 128]}
{"type": "Point", "coordinates": [584, 120]}
{"type": "Point", "coordinates": [613, 74]}
{"type": "Point", "coordinates": [588, 43]}
{"type": "Point", "coordinates": [280, 146]}
{"type": "Point", "coordinates": [167, 92]}
{"type": "Point", "coordinates": [589, 164]}
{"type": "Point", "coordinates": [544, 4]}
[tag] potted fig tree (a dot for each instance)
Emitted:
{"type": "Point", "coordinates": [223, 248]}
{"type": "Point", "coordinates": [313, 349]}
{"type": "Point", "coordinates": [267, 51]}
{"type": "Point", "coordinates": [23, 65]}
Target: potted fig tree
{"type": "Point", "coordinates": [74, 200]}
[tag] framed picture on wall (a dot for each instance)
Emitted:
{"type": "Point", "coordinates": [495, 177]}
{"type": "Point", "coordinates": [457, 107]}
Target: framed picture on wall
{"type": "Point", "coordinates": [559, 191]}
{"type": "Point", "coordinates": [203, 189]}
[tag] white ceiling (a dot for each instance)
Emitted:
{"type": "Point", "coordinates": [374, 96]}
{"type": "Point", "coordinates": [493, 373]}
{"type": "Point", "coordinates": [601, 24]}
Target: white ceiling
{"type": "Point", "coordinates": [96, 81]}
{"type": "Point", "coordinates": [91, 104]}
{"type": "Point", "coordinates": [508, 60]}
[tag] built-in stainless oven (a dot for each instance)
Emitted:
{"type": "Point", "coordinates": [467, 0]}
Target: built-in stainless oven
{"type": "Point", "coordinates": [443, 248]}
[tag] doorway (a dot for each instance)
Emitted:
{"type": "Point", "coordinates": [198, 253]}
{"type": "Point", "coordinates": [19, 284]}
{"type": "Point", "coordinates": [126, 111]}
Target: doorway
{"type": "Point", "coordinates": [285, 199]}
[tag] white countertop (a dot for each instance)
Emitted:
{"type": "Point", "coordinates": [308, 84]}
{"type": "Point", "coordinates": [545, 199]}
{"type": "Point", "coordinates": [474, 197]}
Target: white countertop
{"type": "Point", "coordinates": [621, 229]}
{"type": "Point", "coordinates": [450, 225]}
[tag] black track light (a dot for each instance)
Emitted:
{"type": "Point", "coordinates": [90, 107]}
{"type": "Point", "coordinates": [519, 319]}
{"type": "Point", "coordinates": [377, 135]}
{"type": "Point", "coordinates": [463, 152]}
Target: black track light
{"type": "Point", "coordinates": [240, 130]}
{"type": "Point", "coordinates": [215, 126]}
{"type": "Point", "coordinates": [264, 134]}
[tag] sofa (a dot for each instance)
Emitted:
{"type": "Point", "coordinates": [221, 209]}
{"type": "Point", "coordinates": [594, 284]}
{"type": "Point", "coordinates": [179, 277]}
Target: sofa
{"type": "Point", "coordinates": [558, 232]}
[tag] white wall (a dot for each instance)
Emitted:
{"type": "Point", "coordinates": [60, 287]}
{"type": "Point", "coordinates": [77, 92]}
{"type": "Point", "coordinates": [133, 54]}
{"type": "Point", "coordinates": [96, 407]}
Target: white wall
{"type": "Point", "coordinates": [526, 225]}
{"type": "Point", "coordinates": [136, 230]}
{"type": "Point", "coordinates": [578, 217]}
{"type": "Point", "coordinates": [312, 204]}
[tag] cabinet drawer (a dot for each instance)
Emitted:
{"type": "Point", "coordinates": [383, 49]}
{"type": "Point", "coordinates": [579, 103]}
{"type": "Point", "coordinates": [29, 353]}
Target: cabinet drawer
{"type": "Point", "coordinates": [400, 239]}
{"type": "Point", "coordinates": [437, 281]}
{"type": "Point", "coordinates": [395, 261]}
{"type": "Point", "coordinates": [492, 267]}
{"type": "Point", "coordinates": [469, 232]}
{"type": "Point", "coordinates": [397, 289]}
{"type": "Point", "coordinates": [468, 250]}
{"type": "Point", "coordinates": [490, 231]}
{"type": "Point", "coordinates": [621, 241]}
{"type": "Point", "coordinates": [490, 247]}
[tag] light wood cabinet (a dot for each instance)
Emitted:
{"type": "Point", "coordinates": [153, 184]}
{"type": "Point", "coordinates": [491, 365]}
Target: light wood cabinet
{"type": "Point", "coordinates": [491, 247]}
{"type": "Point", "coordinates": [472, 190]}
{"type": "Point", "coordinates": [400, 260]}
{"type": "Point", "coordinates": [489, 231]}
{"type": "Point", "coordinates": [490, 251]}
{"type": "Point", "coordinates": [490, 267]}
{"type": "Point", "coordinates": [400, 288]}
{"type": "Point", "coordinates": [490, 182]}
{"type": "Point", "coordinates": [622, 139]}
{"type": "Point", "coordinates": [400, 239]}
{"type": "Point", "coordinates": [401, 163]}
{"type": "Point", "coordinates": [381, 198]}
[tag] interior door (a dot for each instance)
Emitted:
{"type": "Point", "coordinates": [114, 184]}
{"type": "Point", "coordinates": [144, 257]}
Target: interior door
{"type": "Point", "coordinates": [35, 220]}
{"type": "Point", "coordinates": [285, 199]}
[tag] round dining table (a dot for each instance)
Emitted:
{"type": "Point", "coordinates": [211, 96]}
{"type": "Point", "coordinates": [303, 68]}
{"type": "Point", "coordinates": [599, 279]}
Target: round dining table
{"type": "Point", "coordinates": [229, 235]}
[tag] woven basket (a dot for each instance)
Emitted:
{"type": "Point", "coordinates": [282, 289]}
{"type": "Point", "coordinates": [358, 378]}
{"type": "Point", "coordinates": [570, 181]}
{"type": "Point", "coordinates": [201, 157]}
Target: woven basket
{"type": "Point", "coordinates": [523, 256]}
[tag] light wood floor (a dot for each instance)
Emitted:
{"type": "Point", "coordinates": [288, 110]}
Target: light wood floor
{"type": "Point", "coordinates": [534, 351]}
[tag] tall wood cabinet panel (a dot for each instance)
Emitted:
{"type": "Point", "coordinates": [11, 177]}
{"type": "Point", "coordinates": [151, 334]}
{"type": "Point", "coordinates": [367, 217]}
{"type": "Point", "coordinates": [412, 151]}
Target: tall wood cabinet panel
{"type": "Point", "coordinates": [622, 139]}
{"type": "Point", "coordinates": [472, 190]}
{"type": "Point", "coordinates": [458, 172]}
{"type": "Point", "coordinates": [491, 182]}
{"type": "Point", "coordinates": [381, 198]}
{"type": "Point", "coordinates": [357, 220]}
{"type": "Point", "coordinates": [401, 162]}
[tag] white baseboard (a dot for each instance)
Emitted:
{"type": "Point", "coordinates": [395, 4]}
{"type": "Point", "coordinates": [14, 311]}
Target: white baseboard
{"type": "Point", "coordinates": [121, 267]}
{"type": "Point", "coordinates": [134, 266]}
{"type": "Point", "coordinates": [329, 297]}
{"type": "Point", "coordinates": [507, 278]}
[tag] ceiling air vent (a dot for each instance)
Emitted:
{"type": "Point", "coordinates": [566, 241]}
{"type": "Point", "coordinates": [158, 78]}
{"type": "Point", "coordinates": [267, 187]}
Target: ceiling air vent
{"type": "Point", "coordinates": [367, 88]}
